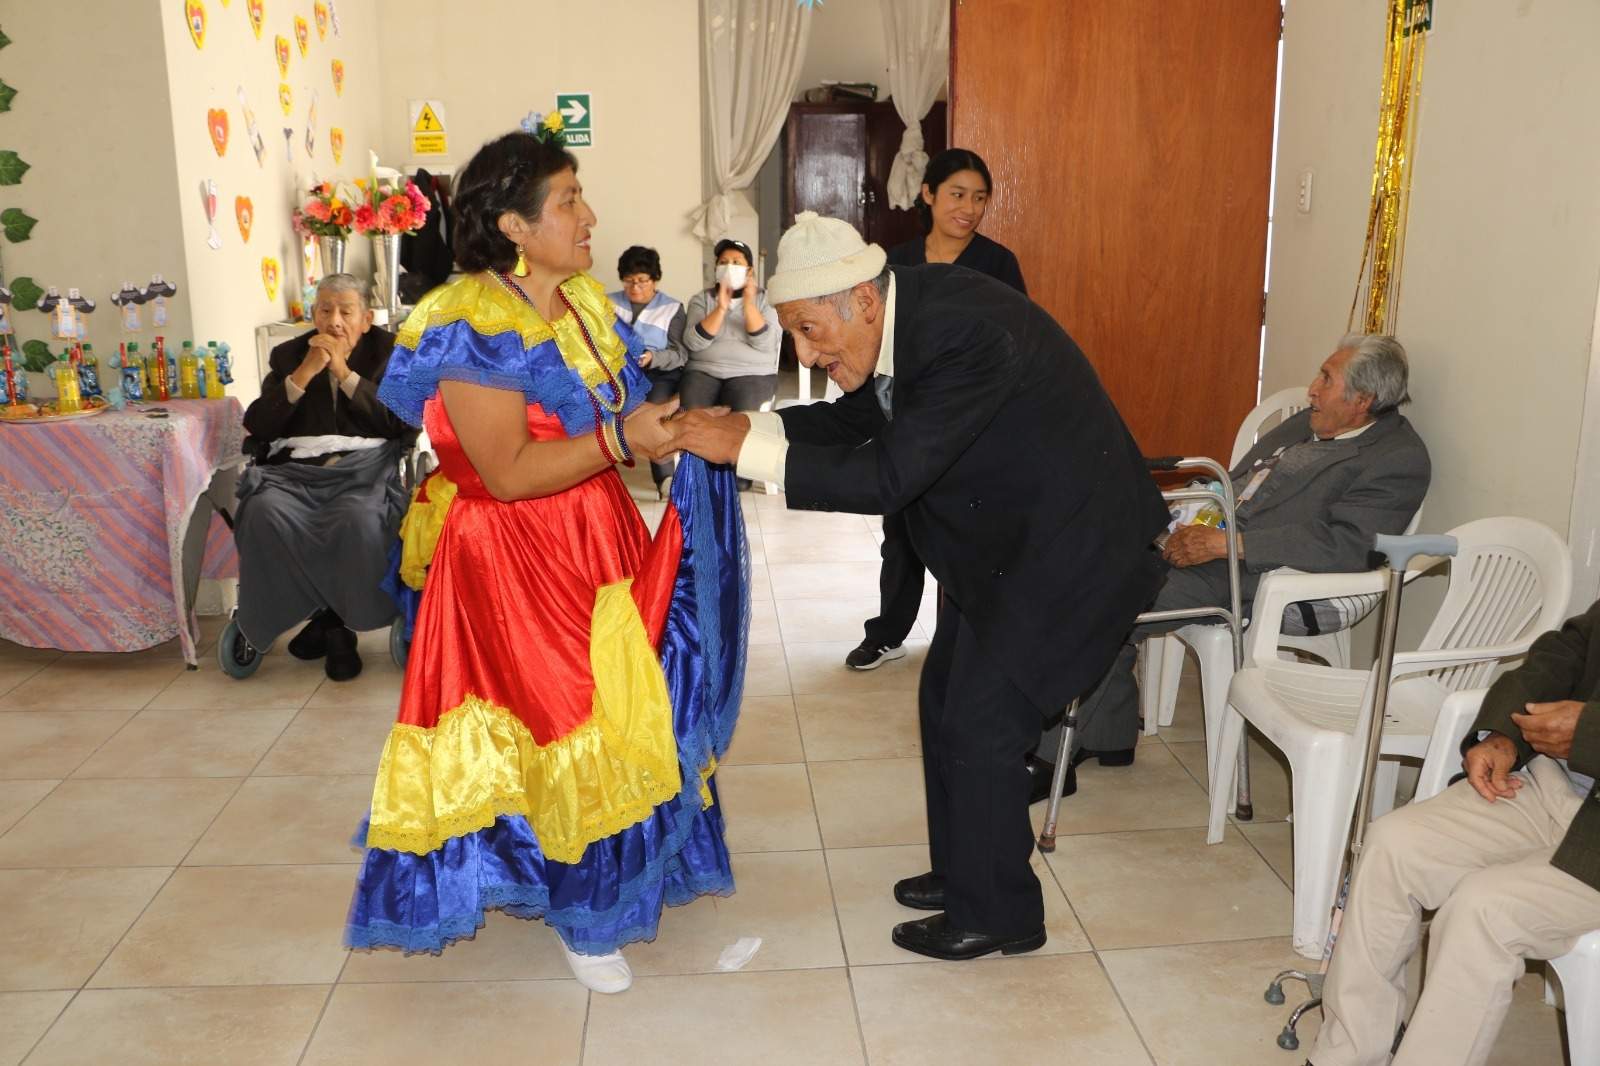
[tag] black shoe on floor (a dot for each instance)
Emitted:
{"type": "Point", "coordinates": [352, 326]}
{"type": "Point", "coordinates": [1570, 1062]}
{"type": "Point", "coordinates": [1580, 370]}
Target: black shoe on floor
{"type": "Point", "coordinates": [869, 656]}
{"type": "Point", "coordinates": [925, 892]}
{"type": "Point", "coordinates": [936, 938]}
{"type": "Point", "coordinates": [1119, 757]}
{"type": "Point", "coordinates": [311, 642]}
{"type": "Point", "coordinates": [1039, 773]}
{"type": "Point", "coordinates": [343, 662]}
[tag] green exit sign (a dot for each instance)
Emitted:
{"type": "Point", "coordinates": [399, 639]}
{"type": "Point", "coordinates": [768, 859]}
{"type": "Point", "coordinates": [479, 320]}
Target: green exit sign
{"type": "Point", "coordinates": [578, 113]}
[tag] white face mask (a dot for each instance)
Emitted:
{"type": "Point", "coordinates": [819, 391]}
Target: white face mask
{"type": "Point", "coordinates": [735, 274]}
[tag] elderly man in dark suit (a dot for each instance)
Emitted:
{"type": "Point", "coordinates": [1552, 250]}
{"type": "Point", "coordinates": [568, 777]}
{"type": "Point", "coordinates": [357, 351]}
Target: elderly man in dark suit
{"type": "Point", "coordinates": [320, 509]}
{"type": "Point", "coordinates": [969, 409]}
{"type": "Point", "coordinates": [1311, 494]}
{"type": "Point", "coordinates": [1509, 858]}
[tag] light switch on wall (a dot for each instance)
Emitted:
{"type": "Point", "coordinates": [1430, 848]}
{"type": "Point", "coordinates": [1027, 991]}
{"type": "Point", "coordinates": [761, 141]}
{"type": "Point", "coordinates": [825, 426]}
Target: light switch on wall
{"type": "Point", "coordinates": [1303, 202]}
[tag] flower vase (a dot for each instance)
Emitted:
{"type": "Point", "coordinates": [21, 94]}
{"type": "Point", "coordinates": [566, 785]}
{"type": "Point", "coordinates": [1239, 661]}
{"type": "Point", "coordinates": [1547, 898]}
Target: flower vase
{"type": "Point", "coordinates": [386, 273]}
{"type": "Point", "coordinates": [332, 249]}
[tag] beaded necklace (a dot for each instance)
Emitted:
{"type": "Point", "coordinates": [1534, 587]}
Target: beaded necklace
{"type": "Point", "coordinates": [596, 398]}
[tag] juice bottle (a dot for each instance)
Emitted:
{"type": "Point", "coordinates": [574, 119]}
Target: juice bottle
{"type": "Point", "coordinates": [160, 389]}
{"type": "Point", "coordinates": [88, 370]}
{"type": "Point", "coordinates": [188, 373]}
{"type": "Point", "coordinates": [68, 399]}
{"type": "Point", "coordinates": [213, 389]}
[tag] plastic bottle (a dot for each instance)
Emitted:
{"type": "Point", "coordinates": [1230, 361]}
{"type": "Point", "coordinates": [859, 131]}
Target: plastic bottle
{"type": "Point", "coordinates": [212, 388]}
{"type": "Point", "coordinates": [88, 370]}
{"type": "Point", "coordinates": [69, 400]}
{"type": "Point", "coordinates": [161, 388]}
{"type": "Point", "coordinates": [1211, 514]}
{"type": "Point", "coordinates": [132, 371]}
{"type": "Point", "coordinates": [188, 373]}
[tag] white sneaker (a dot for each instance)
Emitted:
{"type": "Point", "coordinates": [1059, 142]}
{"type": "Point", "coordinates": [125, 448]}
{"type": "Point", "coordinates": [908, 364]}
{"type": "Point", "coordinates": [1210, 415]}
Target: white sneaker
{"type": "Point", "coordinates": [608, 974]}
{"type": "Point", "coordinates": [665, 489]}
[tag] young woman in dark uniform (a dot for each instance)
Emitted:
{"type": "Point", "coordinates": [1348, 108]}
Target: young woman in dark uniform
{"type": "Point", "coordinates": [955, 193]}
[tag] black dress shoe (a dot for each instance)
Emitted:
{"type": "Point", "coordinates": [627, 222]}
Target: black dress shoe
{"type": "Point", "coordinates": [937, 939]}
{"type": "Point", "coordinates": [311, 643]}
{"type": "Point", "coordinates": [1119, 757]}
{"type": "Point", "coordinates": [925, 892]}
{"type": "Point", "coordinates": [343, 662]}
{"type": "Point", "coordinates": [1039, 773]}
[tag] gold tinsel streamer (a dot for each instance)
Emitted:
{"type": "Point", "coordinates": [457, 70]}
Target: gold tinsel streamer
{"type": "Point", "coordinates": [1376, 307]}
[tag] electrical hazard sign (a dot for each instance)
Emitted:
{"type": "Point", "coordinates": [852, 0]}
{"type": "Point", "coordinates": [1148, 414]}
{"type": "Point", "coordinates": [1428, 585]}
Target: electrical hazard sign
{"type": "Point", "coordinates": [427, 128]}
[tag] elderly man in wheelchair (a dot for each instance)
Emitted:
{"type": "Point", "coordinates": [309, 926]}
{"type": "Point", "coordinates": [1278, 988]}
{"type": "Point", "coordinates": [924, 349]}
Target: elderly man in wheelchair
{"type": "Point", "coordinates": [320, 505]}
{"type": "Point", "coordinates": [1509, 858]}
{"type": "Point", "coordinates": [1309, 495]}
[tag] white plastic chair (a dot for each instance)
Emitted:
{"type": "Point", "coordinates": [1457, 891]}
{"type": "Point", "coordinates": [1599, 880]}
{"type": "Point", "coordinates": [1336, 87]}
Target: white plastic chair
{"type": "Point", "coordinates": [1163, 655]}
{"type": "Point", "coordinates": [1510, 582]}
{"type": "Point", "coordinates": [1578, 971]}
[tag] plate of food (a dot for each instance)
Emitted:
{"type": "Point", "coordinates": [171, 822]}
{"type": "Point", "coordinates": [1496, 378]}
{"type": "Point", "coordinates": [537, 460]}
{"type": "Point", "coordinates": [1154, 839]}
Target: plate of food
{"type": "Point", "coordinates": [33, 414]}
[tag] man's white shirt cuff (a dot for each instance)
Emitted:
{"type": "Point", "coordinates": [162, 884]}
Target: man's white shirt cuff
{"type": "Point", "coordinates": [765, 453]}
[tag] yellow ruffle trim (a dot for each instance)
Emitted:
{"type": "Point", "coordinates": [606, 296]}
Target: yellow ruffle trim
{"type": "Point", "coordinates": [481, 762]}
{"type": "Point", "coordinates": [482, 302]}
{"type": "Point", "coordinates": [420, 529]}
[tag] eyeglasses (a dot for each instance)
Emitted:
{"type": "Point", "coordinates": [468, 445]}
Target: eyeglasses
{"type": "Point", "coordinates": [636, 283]}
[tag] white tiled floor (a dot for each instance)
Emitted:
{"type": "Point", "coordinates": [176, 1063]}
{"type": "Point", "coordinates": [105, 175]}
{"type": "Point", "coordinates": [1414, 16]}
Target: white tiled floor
{"type": "Point", "coordinates": [174, 873]}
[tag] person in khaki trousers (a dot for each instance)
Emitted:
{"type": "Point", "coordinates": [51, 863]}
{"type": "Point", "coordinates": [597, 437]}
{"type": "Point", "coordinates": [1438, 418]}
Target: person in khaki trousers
{"type": "Point", "coordinates": [1510, 858]}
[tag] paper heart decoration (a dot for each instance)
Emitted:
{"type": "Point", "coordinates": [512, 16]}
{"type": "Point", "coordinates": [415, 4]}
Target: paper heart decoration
{"type": "Point", "coordinates": [280, 48]}
{"type": "Point", "coordinates": [285, 98]}
{"type": "Point", "coordinates": [336, 143]}
{"type": "Point", "coordinates": [194, 13]}
{"type": "Point", "coordinates": [302, 34]}
{"type": "Point", "coordinates": [269, 277]}
{"type": "Point", "coordinates": [258, 14]}
{"type": "Point", "coordinates": [338, 77]}
{"type": "Point", "coordinates": [217, 123]}
{"type": "Point", "coordinates": [319, 11]}
{"type": "Point", "coordinates": [245, 212]}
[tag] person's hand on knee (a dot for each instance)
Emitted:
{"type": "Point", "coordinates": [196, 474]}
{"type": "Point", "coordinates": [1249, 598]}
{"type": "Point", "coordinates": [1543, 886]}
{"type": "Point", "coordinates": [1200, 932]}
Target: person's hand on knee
{"type": "Point", "coordinates": [1489, 764]}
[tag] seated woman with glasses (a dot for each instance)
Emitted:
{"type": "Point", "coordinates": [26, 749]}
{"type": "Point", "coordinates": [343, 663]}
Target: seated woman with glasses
{"type": "Point", "coordinates": [657, 320]}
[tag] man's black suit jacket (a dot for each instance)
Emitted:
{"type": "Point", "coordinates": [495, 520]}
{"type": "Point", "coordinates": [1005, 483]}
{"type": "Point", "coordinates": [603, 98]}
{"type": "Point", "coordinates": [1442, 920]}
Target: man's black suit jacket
{"type": "Point", "coordinates": [272, 417]}
{"type": "Point", "coordinates": [1023, 490]}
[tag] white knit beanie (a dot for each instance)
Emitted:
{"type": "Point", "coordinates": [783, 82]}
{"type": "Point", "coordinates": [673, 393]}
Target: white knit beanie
{"type": "Point", "coordinates": [821, 256]}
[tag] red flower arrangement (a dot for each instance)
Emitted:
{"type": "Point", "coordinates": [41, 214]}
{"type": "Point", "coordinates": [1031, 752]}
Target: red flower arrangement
{"type": "Point", "coordinates": [389, 211]}
{"type": "Point", "coordinates": [326, 212]}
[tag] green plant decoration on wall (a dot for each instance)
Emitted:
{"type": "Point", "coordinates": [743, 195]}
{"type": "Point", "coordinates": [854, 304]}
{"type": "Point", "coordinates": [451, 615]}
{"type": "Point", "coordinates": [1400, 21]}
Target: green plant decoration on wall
{"type": "Point", "coordinates": [36, 356]}
{"type": "Point", "coordinates": [25, 295]}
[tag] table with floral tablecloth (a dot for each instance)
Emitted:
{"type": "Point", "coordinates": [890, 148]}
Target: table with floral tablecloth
{"type": "Point", "coordinates": [93, 515]}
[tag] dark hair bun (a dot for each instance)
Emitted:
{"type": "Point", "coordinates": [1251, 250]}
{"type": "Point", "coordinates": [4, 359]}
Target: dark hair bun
{"type": "Point", "coordinates": [511, 173]}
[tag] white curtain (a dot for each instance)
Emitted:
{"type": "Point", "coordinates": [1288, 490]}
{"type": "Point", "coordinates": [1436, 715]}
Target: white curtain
{"type": "Point", "coordinates": [918, 35]}
{"type": "Point", "coordinates": [752, 54]}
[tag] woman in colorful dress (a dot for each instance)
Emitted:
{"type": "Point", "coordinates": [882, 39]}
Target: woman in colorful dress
{"type": "Point", "coordinates": [571, 682]}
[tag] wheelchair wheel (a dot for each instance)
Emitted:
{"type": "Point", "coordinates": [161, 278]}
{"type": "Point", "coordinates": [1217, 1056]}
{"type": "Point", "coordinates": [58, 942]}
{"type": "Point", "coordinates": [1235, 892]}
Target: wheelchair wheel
{"type": "Point", "coordinates": [234, 653]}
{"type": "Point", "coordinates": [399, 646]}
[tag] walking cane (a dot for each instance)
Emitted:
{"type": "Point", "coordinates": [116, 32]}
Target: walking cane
{"type": "Point", "coordinates": [1399, 551]}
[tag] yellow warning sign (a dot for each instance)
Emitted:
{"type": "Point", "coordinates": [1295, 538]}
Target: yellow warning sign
{"type": "Point", "coordinates": [427, 128]}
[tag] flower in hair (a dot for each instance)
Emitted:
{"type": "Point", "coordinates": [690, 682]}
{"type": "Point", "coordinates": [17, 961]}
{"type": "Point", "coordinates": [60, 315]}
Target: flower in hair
{"type": "Point", "coordinates": [549, 128]}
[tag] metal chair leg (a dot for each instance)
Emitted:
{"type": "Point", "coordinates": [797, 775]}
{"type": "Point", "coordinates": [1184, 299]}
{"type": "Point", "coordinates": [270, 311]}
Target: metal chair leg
{"type": "Point", "coordinates": [1058, 780]}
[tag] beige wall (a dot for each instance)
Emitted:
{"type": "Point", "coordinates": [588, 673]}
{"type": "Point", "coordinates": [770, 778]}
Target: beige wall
{"type": "Point", "coordinates": [102, 183]}
{"type": "Point", "coordinates": [1503, 251]}
{"type": "Point", "coordinates": [847, 45]}
{"type": "Point", "coordinates": [225, 286]}
{"type": "Point", "coordinates": [641, 63]}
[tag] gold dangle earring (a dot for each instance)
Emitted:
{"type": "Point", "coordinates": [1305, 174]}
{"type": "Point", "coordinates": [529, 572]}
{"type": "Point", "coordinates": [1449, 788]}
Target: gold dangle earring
{"type": "Point", "coordinates": [521, 269]}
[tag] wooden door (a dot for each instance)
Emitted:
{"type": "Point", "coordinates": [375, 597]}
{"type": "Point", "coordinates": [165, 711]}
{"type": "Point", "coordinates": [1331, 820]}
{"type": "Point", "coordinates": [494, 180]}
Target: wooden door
{"type": "Point", "coordinates": [825, 153]}
{"type": "Point", "coordinates": [1131, 148]}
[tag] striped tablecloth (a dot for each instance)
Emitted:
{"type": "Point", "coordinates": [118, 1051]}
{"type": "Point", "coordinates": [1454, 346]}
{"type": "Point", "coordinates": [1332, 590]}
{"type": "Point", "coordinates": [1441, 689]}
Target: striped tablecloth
{"type": "Point", "coordinates": [92, 520]}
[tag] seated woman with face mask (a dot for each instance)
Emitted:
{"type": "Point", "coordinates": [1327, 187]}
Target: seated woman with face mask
{"type": "Point", "coordinates": [732, 336]}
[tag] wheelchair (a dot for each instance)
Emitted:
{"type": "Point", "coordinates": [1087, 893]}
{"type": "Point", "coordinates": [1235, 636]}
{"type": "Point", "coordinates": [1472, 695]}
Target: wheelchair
{"type": "Point", "coordinates": [239, 659]}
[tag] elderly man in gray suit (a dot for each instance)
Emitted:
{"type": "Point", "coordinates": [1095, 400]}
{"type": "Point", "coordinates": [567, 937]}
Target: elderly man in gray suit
{"type": "Point", "coordinates": [1310, 494]}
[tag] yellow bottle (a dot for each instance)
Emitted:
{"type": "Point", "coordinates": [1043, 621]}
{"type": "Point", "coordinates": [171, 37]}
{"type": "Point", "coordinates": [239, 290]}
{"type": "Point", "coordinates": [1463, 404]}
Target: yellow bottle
{"type": "Point", "coordinates": [188, 373]}
{"type": "Point", "coordinates": [213, 383]}
{"type": "Point", "coordinates": [68, 399]}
